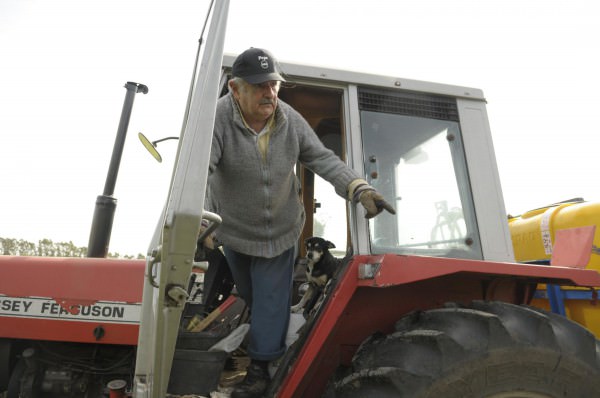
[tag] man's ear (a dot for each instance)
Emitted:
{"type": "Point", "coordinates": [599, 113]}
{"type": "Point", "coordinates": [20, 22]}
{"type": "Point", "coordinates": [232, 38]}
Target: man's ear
{"type": "Point", "coordinates": [234, 89]}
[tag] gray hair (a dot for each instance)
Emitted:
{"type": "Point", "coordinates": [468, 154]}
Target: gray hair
{"type": "Point", "coordinates": [237, 82]}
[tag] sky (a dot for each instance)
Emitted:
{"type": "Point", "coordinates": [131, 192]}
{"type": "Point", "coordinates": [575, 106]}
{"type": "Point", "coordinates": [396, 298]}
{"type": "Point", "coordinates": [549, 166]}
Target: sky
{"type": "Point", "coordinates": [64, 64]}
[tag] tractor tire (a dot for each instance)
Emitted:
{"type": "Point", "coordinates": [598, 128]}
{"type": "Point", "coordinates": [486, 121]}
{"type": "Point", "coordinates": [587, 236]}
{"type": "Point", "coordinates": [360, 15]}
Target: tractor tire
{"type": "Point", "coordinates": [485, 350]}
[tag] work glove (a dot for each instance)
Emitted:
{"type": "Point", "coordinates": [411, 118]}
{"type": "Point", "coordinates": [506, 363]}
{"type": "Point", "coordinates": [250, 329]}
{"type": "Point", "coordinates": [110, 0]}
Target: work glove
{"type": "Point", "coordinates": [372, 201]}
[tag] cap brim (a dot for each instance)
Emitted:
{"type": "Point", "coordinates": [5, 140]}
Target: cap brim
{"type": "Point", "coordinates": [263, 77]}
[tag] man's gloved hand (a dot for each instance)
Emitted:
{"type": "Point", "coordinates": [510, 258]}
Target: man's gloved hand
{"type": "Point", "coordinates": [372, 201]}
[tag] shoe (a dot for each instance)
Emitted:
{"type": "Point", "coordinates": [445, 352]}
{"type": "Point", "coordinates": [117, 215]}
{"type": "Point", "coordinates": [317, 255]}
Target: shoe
{"type": "Point", "coordinates": [254, 385]}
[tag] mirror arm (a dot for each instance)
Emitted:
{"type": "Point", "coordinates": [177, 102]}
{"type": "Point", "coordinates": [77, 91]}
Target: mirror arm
{"type": "Point", "coordinates": [164, 139]}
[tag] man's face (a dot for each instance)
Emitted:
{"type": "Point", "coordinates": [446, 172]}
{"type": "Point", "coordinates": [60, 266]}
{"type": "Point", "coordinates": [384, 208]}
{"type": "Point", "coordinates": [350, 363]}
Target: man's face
{"type": "Point", "coordinates": [257, 101]}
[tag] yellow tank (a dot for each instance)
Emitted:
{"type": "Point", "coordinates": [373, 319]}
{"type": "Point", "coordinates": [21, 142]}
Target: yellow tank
{"type": "Point", "coordinates": [533, 233]}
{"type": "Point", "coordinates": [533, 236]}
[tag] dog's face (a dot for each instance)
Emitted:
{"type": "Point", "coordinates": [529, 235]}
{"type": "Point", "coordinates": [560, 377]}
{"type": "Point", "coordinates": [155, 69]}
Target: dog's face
{"type": "Point", "coordinates": [315, 247]}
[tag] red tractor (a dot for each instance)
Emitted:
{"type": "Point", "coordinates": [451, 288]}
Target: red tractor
{"type": "Point", "coordinates": [429, 304]}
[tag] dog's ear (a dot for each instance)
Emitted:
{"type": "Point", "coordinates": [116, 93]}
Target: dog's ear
{"type": "Point", "coordinates": [329, 244]}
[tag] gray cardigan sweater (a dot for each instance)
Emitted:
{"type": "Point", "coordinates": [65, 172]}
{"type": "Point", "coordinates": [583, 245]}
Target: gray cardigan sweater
{"type": "Point", "coordinates": [259, 199]}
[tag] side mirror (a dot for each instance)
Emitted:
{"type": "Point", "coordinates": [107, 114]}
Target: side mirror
{"type": "Point", "coordinates": [151, 145]}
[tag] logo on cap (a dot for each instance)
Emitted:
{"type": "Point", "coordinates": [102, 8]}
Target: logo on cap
{"type": "Point", "coordinates": [264, 61]}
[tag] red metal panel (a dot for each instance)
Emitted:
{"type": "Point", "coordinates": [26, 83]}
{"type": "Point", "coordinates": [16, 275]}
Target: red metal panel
{"type": "Point", "coordinates": [304, 368]}
{"type": "Point", "coordinates": [72, 278]}
{"type": "Point", "coordinates": [397, 269]}
{"type": "Point", "coordinates": [65, 299]}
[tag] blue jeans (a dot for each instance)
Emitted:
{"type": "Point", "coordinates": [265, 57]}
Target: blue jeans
{"type": "Point", "coordinates": [265, 284]}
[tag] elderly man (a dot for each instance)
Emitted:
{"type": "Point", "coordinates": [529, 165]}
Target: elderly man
{"type": "Point", "coordinates": [257, 141]}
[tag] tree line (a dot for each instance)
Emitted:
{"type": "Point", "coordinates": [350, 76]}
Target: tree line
{"type": "Point", "coordinates": [48, 248]}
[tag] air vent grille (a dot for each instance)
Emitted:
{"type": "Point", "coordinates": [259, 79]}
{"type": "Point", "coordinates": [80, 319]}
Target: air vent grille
{"type": "Point", "coordinates": [408, 103]}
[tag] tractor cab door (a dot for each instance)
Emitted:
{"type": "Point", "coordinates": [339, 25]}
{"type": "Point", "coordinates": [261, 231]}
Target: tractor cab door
{"type": "Point", "coordinates": [171, 252]}
{"type": "Point", "coordinates": [326, 212]}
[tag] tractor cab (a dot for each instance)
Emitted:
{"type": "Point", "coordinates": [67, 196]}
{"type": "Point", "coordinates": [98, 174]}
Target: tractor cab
{"type": "Point", "coordinates": [407, 139]}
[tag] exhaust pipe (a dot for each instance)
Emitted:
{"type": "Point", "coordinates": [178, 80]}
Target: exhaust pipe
{"type": "Point", "coordinates": [106, 204]}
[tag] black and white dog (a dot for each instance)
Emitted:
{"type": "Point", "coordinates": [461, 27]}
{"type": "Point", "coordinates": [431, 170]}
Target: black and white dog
{"type": "Point", "coordinates": [320, 267]}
